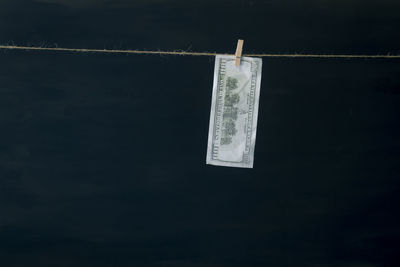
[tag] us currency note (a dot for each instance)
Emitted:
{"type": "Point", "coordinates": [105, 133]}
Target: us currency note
{"type": "Point", "coordinates": [234, 111]}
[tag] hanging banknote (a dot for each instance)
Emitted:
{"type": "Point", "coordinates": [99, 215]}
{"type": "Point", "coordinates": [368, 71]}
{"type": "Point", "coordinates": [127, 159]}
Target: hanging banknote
{"type": "Point", "coordinates": [234, 110]}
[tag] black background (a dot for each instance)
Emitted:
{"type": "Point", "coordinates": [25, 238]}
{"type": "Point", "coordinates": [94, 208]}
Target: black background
{"type": "Point", "coordinates": [102, 157]}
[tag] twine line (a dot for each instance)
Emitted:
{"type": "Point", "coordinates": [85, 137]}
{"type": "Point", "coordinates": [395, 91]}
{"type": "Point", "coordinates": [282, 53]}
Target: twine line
{"type": "Point", "coordinates": [187, 53]}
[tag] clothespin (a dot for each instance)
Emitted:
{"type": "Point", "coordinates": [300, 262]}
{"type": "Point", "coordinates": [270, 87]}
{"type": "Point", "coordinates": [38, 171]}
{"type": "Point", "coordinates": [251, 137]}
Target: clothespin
{"type": "Point", "coordinates": [238, 54]}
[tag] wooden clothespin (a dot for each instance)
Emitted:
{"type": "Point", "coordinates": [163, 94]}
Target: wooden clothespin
{"type": "Point", "coordinates": [238, 54]}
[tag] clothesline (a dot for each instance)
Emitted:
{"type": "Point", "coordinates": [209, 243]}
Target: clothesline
{"type": "Point", "coordinates": [189, 53]}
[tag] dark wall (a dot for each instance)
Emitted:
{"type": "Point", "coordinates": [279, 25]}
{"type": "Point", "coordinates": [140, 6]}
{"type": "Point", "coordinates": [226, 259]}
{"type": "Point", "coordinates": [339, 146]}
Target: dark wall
{"type": "Point", "coordinates": [102, 157]}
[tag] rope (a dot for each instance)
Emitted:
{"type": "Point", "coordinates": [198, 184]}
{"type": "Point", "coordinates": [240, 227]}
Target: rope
{"type": "Point", "coordinates": [184, 53]}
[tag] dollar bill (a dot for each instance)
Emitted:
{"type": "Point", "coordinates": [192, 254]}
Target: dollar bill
{"type": "Point", "coordinates": [234, 111]}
